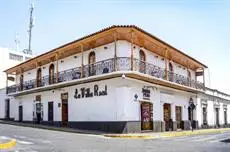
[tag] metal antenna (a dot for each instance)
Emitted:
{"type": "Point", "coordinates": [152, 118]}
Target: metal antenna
{"type": "Point", "coordinates": [16, 42]}
{"type": "Point", "coordinates": [31, 25]}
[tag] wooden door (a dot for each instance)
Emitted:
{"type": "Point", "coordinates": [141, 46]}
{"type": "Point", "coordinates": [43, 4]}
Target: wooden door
{"type": "Point", "coordinates": [146, 116]}
{"type": "Point", "coordinates": [7, 110]}
{"type": "Point", "coordinates": [178, 116]}
{"type": "Point", "coordinates": [217, 116]}
{"type": "Point", "coordinates": [50, 111]}
{"type": "Point", "coordinates": [64, 109]}
{"type": "Point", "coordinates": [20, 113]}
{"type": "Point", "coordinates": [167, 116]}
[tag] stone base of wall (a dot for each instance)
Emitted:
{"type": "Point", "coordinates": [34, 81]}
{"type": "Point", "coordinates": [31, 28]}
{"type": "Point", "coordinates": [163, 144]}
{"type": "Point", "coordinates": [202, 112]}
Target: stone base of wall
{"type": "Point", "coordinates": [174, 126]}
{"type": "Point", "coordinates": [157, 126]}
{"type": "Point", "coordinates": [110, 127]}
{"type": "Point", "coordinates": [122, 126]}
{"type": "Point", "coordinates": [187, 125]}
{"type": "Point", "coordinates": [205, 126]}
{"type": "Point", "coordinates": [163, 126]}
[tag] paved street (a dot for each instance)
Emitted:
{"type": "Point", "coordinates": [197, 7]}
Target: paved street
{"type": "Point", "coordinates": [38, 140]}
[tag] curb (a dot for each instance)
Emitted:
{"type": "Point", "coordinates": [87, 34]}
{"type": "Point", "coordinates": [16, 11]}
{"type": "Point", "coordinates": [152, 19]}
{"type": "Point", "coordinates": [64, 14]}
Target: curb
{"type": "Point", "coordinates": [8, 145]}
{"type": "Point", "coordinates": [196, 132]}
{"type": "Point", "coordinates": [167, 134]}
{"type": "Point", "coordinates": [128, 136]}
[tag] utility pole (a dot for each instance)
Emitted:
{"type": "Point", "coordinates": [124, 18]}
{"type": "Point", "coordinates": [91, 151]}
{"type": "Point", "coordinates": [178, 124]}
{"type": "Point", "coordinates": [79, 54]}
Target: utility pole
{"type": "Point", "coordinates": [31, 25]}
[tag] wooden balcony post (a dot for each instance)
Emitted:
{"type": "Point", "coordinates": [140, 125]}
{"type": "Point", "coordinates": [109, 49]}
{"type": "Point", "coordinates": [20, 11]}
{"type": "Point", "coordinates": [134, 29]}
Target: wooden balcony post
{"type": "Point", "coordinates": [132, 68]}
{"type": "Point", "coordinates": [6, 83]}
{"type": "Point", "coordinates": [166, 64]}
{"type": "Point", "coordinates": [57, 74]}
{"type": "Point", "coordinates": [82, 60]}
{"type": "Point", "coordinates": [115, 52]}
{"type": "Point", "coordinates": [21, 79]}
{"type": "Point", "coordinates": [203, 77]}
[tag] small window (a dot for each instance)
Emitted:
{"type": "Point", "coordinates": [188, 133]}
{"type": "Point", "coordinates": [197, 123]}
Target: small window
{"type": "Point", "coordinates": [15, 57]}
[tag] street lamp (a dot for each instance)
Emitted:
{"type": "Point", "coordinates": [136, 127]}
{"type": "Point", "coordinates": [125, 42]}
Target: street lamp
{"type": "Point", "coordinates": [192, 106]}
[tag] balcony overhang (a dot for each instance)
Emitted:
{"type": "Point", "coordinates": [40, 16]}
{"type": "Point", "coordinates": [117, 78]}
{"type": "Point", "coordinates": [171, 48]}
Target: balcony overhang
{"type": "Point", "coordinates": [105, 36]}
{"type": "Point", "coordinates": [129, 74]}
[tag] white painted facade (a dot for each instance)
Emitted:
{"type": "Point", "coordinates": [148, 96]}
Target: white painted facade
{"type": "Point", "coordinates": [7, 61]}
{"type": "Point", "coordinates": [119, 104]}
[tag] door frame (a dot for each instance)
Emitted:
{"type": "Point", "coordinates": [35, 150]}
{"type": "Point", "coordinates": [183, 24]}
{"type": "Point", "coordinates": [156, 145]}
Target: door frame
{"type": "Point", "coordinates": [179, 121]}
{"type": "Point", "coordinates": [64, 102]}
{"type": "Point", "coordinates": [20, 113]}
{"type": "Point", "coordinates": [50, 116]}
{"type": "Point", "coordinates": [7, 108]}
{"type": "Point", "coordinates": [217, 116]}
{"type": "Point", "coordinates": [148, 125]}
{"type": "Point", "coordinates": [167, 125]}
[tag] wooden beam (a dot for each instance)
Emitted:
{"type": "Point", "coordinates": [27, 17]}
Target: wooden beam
{"type": "Point", "coordinates": [132, 51]}
{"type": "Point", "coordinates": [166, 64]}
{"type": "Point", "coordinates": [115, 51]}
{"type": "Point", "coordinates": [203, 77]}
{"type": "Point", "coordinates": [57, 70]}
{"type": "Point", "coordinates": [82, 60]}
{"type": "Point", "coordinates": [6, 83]}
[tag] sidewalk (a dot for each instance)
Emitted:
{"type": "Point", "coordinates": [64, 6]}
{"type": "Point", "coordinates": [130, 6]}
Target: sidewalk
{"type": "Point", "coordinates": [54, 128]}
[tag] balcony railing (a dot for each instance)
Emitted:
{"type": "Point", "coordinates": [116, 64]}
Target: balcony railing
{"type": "Point", "coordinates": [107, 66]}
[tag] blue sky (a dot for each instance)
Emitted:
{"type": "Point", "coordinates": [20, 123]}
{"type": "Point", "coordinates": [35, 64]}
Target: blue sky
{"type": "Point", "coordinates": [198, 28]}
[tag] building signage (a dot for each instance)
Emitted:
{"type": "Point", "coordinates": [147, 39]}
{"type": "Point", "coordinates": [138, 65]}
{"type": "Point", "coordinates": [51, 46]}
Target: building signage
{"type": "Point", "coordinates": [146, 94]}
{"type": "Point", "coordinates": [87, 92]}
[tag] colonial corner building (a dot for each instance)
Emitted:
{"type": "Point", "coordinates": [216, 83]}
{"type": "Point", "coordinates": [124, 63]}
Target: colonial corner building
{"type": "Point", "coordinates": [120, 79]}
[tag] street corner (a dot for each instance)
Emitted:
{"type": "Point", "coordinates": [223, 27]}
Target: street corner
{"type": "Point", "coordinates": [129, 136]}
{"type": "Point", "coordinates": [8, 144]}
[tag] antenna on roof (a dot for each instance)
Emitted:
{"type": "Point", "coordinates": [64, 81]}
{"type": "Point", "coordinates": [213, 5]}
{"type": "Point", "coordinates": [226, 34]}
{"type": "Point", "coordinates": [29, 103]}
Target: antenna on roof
{"type": "Point", "coordinates": [16, 40]}
{"type": "Point", "coordinates": [31, 25]}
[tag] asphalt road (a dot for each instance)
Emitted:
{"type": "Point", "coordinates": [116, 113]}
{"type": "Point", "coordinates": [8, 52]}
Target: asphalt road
{"type": "Point", "coordinates": [38, 140]}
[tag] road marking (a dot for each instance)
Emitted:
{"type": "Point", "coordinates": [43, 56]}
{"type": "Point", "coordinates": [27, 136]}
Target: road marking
{"type": "Point", "coordinates": [207, 138]}
{"type": "Point", "coordinates": [22, 137]}
{"type": "Point", "coordinates": [25, 142]}
{"type": "Point", "coordinates": [220, 139]}
{"type": "Point", "coordinates": [4, 138]}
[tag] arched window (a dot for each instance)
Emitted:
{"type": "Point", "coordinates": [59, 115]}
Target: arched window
{"type": "Point", "coordinates": [92, 60]}
{"type": "Point", "coordinates": [142, 66]}
{"type": "Point", "coordinates": [39, 77]}
{"type": "Point", "coordinates": [170, 72]}
{"type": "Point", "coordinates": [189, 78]}
{"type": "Point", "coordinates": [21, 82]}
{"type": "Point", "coordinates": [51, 74]}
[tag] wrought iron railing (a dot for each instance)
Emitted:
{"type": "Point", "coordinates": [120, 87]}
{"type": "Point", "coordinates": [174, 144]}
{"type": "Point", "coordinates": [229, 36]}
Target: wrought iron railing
{"type": "Point", "coordinates": [107, 66]}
